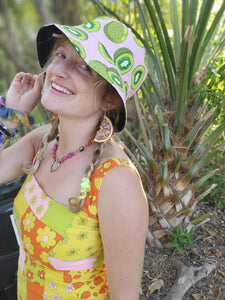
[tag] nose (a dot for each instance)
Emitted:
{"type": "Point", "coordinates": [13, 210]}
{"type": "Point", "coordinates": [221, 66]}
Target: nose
{"type": "Point", "coordinates": [60, 69]}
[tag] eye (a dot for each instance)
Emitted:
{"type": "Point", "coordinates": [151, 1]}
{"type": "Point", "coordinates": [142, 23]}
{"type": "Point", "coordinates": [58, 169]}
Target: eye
{"type": "Point", "coordinates": [86, 67]}
{"type": "Point", "coordinates": [60, 55]}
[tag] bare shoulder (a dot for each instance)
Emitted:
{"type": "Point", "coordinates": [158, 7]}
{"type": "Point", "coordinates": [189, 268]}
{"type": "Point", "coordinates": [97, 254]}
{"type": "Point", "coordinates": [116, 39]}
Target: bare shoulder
{"type": "Point", "coordinates": [113, 149]}
{"type": "Point", "coordinates": [123, 182]}
{"type": "Point", "coordinates": [124, 185]}
{"type": "Point", "coordinates": [36, 135]}
{"type": "Point", "coordinates": [122, 194]}
{"type": "Point", "coordinates": [121, 189]}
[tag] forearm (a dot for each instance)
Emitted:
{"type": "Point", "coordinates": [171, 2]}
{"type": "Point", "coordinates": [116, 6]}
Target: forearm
{"type": "Point", "coordinates": [9, 124]}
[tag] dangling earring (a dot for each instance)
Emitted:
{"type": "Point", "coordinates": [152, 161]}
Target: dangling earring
{"type": "Point", "coordinates": [55, 116]}
{"type": "Point", "coordinates": [105, 131]}
{"type": "Point", "coordinates": [55, 124]}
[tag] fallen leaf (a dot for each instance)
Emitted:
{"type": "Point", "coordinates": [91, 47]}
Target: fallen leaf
{"type": "Point", "coordinates": [156, 285]}
{"type": "Point", "coordinates": [222, 273]}
{"type": "Point", "coordinates": [218, 254]}
{"type": "Point", "coordinates": [198, 296]}
{"type": "Point", "coordinates": [212, 233]}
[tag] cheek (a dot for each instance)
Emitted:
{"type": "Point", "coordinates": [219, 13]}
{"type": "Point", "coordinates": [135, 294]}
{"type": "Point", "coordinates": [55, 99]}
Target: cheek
{"type": "Point", "coordinates": [47, 80]}
{"type": "Point", "coordinates": [45, 100]}
{"type": "Point", "coordinates": [44, 87]}
{"type": "Point", "coordinates": [98, 100]}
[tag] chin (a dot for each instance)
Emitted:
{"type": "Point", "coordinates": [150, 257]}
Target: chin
{"type": "Point", "coordinates": [49, 103]}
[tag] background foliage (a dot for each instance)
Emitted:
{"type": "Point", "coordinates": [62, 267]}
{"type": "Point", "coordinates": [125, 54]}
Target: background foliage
{"type": "Point", "coordinates": [180, 106]}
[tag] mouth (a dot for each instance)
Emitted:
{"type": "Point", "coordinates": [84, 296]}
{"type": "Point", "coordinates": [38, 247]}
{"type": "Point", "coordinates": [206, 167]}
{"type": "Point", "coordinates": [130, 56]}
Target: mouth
{"type": "Point", "coordinates": [61, 89]}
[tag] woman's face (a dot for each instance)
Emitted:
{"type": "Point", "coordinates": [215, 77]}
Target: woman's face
{"type": "Point", "coordinates": [69, 86]}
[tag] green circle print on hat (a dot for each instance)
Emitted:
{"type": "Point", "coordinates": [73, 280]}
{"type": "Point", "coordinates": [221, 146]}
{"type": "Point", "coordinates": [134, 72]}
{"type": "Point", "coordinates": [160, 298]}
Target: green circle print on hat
{"type": "Point", "coordinates": [108, 47]}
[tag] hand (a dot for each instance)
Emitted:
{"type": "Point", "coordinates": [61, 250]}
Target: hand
{"type": "Point", "coordinates": [24, 92]}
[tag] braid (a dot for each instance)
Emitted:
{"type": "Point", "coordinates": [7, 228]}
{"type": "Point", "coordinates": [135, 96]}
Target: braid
{"type": "Point", "coordinates": [31, 168]}
{"type": "Point", "coordinates": [75, 205]}
{"type": "Point", "coordinates": [96, 156]}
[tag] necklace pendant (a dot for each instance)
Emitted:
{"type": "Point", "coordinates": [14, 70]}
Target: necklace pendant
{"type": "Point", "coordinates": [55, 164]}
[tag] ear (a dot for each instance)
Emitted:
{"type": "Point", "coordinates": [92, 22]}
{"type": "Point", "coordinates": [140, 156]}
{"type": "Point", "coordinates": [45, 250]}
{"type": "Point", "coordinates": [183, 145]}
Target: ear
{"type": "Point", "coordinates": [109, 102]}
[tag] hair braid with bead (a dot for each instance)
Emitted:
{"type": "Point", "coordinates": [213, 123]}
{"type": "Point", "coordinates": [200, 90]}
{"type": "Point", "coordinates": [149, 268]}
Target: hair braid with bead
{"type": "Point", "coordinates": [31, 168]}
{"type": "Point", "coordinates": [77, 205]}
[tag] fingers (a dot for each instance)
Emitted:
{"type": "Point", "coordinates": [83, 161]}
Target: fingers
{"type": "Point", "coordinates": [28, 82]}
{"type": "Point", "coordinates": [38, 82]}
{"type": "Point", "coordinates": [22, 77]}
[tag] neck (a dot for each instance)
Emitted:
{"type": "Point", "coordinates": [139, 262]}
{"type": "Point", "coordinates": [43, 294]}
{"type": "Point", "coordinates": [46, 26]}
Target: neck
{"type": "Point", "coordinates": [75, 134]}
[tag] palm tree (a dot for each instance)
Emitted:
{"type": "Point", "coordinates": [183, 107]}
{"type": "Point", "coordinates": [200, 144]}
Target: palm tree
{"type": "Point", "coordinates": [176, 141]}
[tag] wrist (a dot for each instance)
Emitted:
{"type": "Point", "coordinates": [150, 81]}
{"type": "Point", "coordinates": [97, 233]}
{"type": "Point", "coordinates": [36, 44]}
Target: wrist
{"type": "Point", "coordinates": [12, 117]}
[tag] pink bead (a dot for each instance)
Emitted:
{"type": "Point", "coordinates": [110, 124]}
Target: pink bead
{"type": "Point", "coordinates": [69, 155]}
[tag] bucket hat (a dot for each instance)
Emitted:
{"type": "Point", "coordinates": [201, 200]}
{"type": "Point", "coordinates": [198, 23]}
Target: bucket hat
{"type": "Point", "coordinates": [108, 47]}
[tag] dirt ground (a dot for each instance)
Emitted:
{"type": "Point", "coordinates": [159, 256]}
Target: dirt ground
{"type": "Point", "coordinates": [210, 246]}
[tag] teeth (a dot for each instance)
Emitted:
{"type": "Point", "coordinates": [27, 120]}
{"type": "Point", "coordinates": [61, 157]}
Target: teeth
{"type": "Point", "coordinates": [60, 89]}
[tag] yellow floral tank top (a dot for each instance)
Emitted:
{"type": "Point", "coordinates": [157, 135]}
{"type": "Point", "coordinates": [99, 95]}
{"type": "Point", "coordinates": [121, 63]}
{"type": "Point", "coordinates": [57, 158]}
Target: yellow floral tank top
{"type": "Point", "coordinates": [61, 253]}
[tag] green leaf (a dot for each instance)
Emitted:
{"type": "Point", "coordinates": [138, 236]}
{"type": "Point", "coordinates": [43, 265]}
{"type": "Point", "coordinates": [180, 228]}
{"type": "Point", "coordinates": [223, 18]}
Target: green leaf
{"type": "Point", "coordinates": [201, 28]}
{"type": "Point", "coordinates": [165, 54]}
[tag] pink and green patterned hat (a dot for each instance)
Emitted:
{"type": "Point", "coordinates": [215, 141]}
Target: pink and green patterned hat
{"type": "Point", "coordinates": [108, 47]}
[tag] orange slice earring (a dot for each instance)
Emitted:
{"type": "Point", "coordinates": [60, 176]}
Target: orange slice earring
{"type": "Point", "coordinates": [105, 131]}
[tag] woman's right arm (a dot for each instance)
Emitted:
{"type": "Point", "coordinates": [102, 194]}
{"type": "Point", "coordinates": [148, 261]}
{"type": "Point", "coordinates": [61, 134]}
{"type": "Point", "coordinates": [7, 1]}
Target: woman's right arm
{"type": "Point", "coordinates": [23, 95]}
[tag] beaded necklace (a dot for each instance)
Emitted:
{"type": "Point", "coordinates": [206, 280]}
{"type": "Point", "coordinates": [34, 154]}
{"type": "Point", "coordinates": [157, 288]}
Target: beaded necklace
{"type": "Point", "coordinates": [55, 164]}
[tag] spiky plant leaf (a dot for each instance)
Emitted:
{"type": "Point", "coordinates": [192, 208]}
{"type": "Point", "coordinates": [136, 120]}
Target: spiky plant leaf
{"type": "Point", "coordinates": [176, 139]}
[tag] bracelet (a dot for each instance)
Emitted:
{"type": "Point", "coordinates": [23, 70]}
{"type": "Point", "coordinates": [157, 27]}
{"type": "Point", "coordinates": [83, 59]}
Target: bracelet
{"type": "Point", "coordinates": [6, 133]}
{"type": "Point", "coordinates": [13, 115]}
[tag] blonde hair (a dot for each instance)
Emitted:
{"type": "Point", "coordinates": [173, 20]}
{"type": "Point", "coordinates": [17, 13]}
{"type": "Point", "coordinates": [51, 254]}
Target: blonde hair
{"type": "Point", "coordinates": [106, 90]}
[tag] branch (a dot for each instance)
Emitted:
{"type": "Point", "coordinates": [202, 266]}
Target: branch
{"type": "Point", "coordinates": [186, 277]}
{"type": "Point", "coordinates": [42, 11]}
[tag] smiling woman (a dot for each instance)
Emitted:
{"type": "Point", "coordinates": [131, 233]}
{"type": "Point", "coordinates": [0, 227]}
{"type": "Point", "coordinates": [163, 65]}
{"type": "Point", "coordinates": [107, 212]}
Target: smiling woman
{"type": "Point", "coordinates": [81, 214]}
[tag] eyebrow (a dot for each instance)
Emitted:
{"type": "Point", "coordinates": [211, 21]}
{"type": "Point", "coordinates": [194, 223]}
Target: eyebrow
{"type": "Point", "coordinates": [75, 51]}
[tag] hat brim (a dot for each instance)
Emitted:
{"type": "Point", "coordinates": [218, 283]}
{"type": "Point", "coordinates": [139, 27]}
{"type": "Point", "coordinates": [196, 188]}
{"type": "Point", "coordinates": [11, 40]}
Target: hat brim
{"type": "Point", "coordinates": [45, 43]}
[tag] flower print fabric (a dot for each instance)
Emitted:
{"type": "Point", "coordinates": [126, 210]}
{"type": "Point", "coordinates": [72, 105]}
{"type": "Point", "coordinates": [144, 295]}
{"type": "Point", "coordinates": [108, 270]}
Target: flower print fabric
{"type": "Point", "coordinates": [61, 253]}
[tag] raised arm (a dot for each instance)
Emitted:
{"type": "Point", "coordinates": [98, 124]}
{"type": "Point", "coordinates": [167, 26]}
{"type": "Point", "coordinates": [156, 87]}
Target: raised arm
{"type": "Point", "coordinates": [123, 218]}
{"type": "Point", "coordinates": [23, 95]}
